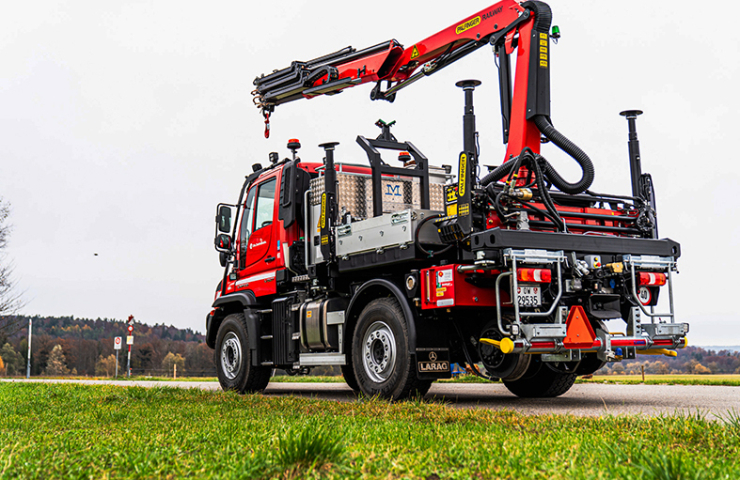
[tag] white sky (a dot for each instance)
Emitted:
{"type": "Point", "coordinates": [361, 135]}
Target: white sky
{"type": "Point", "coordinates": [122, 124]}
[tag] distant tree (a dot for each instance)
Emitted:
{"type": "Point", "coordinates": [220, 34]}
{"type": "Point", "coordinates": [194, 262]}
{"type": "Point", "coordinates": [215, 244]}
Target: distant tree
{"type": "Point", "coordinates": [143, 356]}
{"type": "Point", "coordinates": [12, 359]}
{"type": "Point", "coordinates": [106, 366]}
{"type": "Point", "coordinates": [170, 360]}
{"type": "Point", "coordinates": [618, 368]}
{"type": "Point", "coordinates": [700, 369]}
{"type": "Point", "coordinates": [199, 359]}
{"type": "Point", "coordinates": [10, 300]}
{"type": "Point", "coordinates": [661, 368]}
{"type": "Point", "coordinates": [56, 364]}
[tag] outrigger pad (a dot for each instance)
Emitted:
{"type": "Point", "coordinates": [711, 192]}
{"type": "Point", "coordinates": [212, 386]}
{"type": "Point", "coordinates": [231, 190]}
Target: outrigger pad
{"type": "Point", "coordinates": [578, 328]}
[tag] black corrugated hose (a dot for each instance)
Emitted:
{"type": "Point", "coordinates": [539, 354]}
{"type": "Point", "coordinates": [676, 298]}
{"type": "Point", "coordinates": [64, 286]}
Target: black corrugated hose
{"type": "Point", "coordinates": [544, 125]}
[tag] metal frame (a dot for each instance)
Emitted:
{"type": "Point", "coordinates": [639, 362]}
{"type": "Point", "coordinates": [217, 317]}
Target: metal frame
{"type": "Point", "coordinates": [526, 256]}
{"type": "Point", "coordinates": [667, 263]}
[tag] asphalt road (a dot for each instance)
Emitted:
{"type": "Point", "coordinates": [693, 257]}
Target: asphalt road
{"type": "Point", "coordinates": [583, 400]}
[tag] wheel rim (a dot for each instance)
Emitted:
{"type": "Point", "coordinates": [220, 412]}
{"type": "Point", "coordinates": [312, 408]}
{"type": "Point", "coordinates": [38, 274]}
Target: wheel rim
{"type": "Point", "coordinates": [379, 352]}
{"type": "Point", "coordinates": [493, 358]}
{"type": "Point", "coordinates": [231, 355]}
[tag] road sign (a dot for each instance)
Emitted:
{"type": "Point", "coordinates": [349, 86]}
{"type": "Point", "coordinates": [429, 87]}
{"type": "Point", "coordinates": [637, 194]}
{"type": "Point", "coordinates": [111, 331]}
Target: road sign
{"type": "Point", "coordinates": [130, 340]}
{"type": "Point", "coordinates": [117, 343]}
{"type": "Point", "coordinates": [130, 329]}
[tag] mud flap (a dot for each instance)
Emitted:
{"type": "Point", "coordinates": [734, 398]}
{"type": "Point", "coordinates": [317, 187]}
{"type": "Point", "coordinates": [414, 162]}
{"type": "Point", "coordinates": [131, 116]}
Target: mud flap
{"type": "Point", "coordinates": [433, 363]}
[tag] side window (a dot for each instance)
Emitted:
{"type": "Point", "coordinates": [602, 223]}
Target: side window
{"type": "Point", "coordinates": [265, 204]}
{"type": "Point", "coordinates": [257, 215]}
{"type": "Point", "coordinates": [246, 227]}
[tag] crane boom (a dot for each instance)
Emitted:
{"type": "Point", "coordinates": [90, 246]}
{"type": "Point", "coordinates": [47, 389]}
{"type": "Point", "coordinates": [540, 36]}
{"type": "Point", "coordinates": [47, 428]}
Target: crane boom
{"type": "Point", "coordinates": [508, 25]}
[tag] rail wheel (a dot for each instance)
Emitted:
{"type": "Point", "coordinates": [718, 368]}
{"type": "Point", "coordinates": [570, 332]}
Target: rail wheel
{"type": "Point", "coordinates": [380, 353]}
{"type": "Point", "coordinates": [233, 366]}
{"type": "Point", "coordinates": [510, 366]}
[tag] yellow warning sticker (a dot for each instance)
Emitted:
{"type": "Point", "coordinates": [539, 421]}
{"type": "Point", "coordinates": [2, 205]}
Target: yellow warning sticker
{"type": "Point", "coordinates": [414, 52]}
{"type": "Point", "coordinates": [323, 210]}
{"type": "Point", "coordinates": [472, 23]}
{"type": "Point", "coordinates": [464, 209]}
{"type": "Point", "coordinates": [452, 210]}
{"type": "Point", "coordinates": [543, 35]}
{"type": "Point", "coordinates": [462, 175]}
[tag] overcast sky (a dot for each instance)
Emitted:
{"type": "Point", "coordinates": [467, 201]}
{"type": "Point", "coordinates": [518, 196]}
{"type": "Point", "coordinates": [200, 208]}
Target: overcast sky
{"type": "Point", "coordinates": [122, 124]}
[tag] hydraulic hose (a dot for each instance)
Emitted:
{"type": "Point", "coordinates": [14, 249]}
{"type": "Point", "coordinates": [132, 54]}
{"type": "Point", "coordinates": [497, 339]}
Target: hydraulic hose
{"type": "Point", "coordinates": [544, 125]}
{"type": "Point", "coordinates": [417, 243]}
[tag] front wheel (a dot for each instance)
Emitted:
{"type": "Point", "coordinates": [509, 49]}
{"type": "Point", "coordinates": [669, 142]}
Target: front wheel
{"type": "Point", "coordinates": [232, 358]}
{"type": "Point", "coordinates": [349, 376]}
{"type": "Point", "coordinates": [380, 353]}
{"type": "Point", "coordinates": [540, 380]}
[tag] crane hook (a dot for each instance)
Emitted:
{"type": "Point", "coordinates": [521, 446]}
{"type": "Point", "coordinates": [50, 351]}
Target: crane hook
{"type": "Point", "coordinates": [267, 123]}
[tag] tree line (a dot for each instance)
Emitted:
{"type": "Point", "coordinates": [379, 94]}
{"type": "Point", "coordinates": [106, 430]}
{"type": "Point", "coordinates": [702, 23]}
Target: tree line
{"type": "Point", "coordinates": [692, 360]}
{"type": "Point", "coordinates": [85, 347]}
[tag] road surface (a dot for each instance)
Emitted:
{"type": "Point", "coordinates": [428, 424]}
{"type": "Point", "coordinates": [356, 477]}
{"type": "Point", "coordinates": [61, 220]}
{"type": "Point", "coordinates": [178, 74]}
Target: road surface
{"type": "Point", "coordinates": [583, 399]}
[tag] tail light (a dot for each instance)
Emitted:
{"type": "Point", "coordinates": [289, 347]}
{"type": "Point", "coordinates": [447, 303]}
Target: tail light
{"type": "Point", "coordinates": [535, 275]}
{"type": "Point", "coordinates": [651, 279]}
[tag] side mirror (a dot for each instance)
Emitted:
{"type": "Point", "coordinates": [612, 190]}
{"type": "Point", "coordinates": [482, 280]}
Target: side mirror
{"type": "Point", "coordinates": [223, 243]}
{"type": "Point", "coordinates": [223, 219]}
{"type": "Point", "coordinates": [223, 257]}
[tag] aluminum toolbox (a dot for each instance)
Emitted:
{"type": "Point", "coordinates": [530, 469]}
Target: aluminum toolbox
{"type": "Point", "coordinates": [386, 231]}
{"type": "Point", "coordinates": [355, 193]}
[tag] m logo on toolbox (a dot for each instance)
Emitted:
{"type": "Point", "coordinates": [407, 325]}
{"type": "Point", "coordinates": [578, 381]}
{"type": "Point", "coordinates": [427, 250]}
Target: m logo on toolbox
{"type": "Point", "coordinates": [433, 360]}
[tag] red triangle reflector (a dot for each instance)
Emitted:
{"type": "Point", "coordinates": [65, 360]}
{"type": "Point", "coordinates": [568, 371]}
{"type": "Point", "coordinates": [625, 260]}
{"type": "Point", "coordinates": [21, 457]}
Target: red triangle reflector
{"type": "Point", "coordinates": [579, 333]}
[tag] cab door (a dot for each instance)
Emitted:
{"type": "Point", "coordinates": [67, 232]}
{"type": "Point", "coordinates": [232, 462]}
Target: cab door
{"type": "Point", "coordinates": [258, 240]}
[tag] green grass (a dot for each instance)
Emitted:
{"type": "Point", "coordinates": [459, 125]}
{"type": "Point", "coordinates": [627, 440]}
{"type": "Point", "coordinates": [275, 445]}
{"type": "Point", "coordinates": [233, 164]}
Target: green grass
{"type": "Point", "coordinates": [727, 380]}
{"type": "Point", "coordinates": [79, 431]}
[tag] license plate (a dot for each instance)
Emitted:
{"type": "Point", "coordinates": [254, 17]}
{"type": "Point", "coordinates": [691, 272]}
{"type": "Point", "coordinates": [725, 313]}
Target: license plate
{"type": "Point", "coordinates": [529, 295]}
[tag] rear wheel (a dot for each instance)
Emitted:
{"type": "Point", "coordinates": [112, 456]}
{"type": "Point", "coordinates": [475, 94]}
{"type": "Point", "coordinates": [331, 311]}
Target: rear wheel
{"type": "Point", "coordinates": [380, 353]}
{"type": "Point", "coordinates": [349, 376]}
{"type": "Point", "coordinates": [232, 358]}
{"type": "Point", "coordinates": [540, 380]}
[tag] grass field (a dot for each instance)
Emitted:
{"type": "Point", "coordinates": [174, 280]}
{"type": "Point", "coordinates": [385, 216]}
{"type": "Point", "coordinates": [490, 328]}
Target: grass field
{"type": "Point", "coordinates": [729, 380]}
{"type": "Point", "coordinates": [75, 431]}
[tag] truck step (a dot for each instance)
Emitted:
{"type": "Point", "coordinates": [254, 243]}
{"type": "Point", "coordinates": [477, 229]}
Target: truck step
{"type": "Point", "coordinates": [301, 278]}
{"type": "Point", "coordinates": [266, 337]}
{"type": "Point", "coordinates": [267, 364]}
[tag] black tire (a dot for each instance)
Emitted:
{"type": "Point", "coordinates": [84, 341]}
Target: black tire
{"type": "Point", "coordinates": [233, 360]}
{"type": "Point", "coordinates": [541, 381]}
{"type": "Point", "coordinates": [349, 376]}
{"type": "Point", "coordinates": [510, 366]}
{"type": "Point", "coordinates": [381, 359]}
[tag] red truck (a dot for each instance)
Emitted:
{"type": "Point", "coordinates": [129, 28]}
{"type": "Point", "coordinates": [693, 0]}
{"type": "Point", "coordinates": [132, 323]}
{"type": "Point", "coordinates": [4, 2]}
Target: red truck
{"type": "Point", "coordinates": [396, 272]}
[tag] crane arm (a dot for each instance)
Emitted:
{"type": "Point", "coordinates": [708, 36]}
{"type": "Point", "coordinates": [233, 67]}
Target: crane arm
{"type": "Point", "coordinates": [500, 24]}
